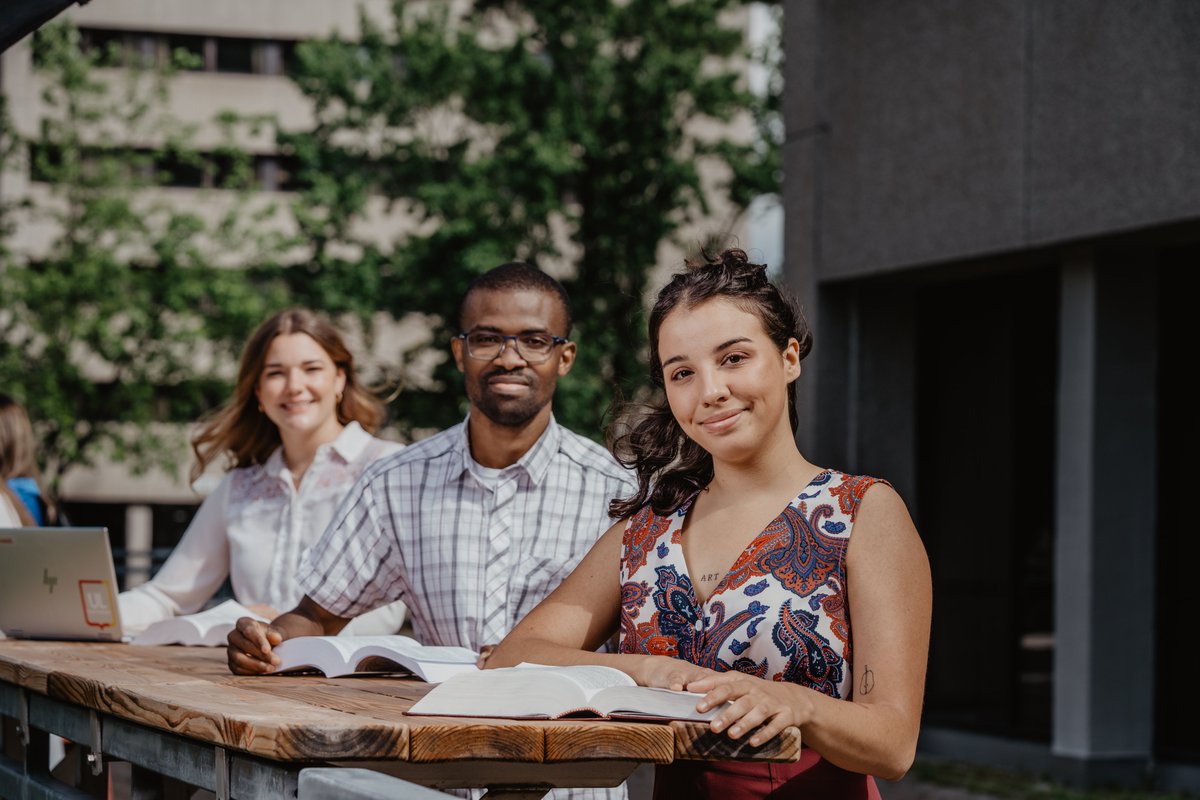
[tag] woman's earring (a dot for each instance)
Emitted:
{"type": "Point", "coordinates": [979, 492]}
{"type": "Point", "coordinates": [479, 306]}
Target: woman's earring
{"type": "Point", "coordinates": [260, 408]}
{"type": "Point", "coordinates": [339, 398]}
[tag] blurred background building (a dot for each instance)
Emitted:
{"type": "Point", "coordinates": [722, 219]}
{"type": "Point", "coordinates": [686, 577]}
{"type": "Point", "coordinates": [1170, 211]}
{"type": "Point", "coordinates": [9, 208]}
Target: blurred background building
{"type": "Point", "coordinates": [243, 52]}
{"type": "Point", "coordinates": [993, 213]}
{"type": "Point", "coordinates": [242, 59]}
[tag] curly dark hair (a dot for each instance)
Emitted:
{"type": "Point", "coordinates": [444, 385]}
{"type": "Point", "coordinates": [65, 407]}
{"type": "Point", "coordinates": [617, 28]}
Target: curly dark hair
{"type": "Point", "coordinates": [670, 466]}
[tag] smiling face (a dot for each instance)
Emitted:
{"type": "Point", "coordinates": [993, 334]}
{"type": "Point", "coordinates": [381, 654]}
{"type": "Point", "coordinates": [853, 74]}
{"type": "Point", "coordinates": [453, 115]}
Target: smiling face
{"type": "Point", "coordinates": [299, 386]}
{"type": "Point", "coordinates": [506, 389]}
{"type": "Point", "coordinates": [726, 381]}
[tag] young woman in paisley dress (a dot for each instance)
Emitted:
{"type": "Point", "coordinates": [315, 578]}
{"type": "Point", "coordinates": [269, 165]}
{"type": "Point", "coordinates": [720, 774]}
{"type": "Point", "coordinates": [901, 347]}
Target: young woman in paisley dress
{"type": "Point", "coordinates": [785, 593]}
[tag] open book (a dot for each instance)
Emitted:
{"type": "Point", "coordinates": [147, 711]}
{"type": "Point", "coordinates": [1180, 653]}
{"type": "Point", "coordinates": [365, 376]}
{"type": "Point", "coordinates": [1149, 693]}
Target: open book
{"type": "Point", "coordinates": [535, 691]}
{"type": "Point", "coordinates": [347, 655]}
{"type": "Point", "coordinates": [206, 628]}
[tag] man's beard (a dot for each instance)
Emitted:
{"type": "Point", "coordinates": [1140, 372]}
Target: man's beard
{"type": "Point", "coordinates": [510, 412]}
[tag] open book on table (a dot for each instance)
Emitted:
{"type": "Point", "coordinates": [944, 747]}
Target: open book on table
{"type": "Point", "coordinates": [535, 691]}
{"type": "Point", "coordinates": [347, 655]}
{"type": "Point", "coordinates": [206, 628]}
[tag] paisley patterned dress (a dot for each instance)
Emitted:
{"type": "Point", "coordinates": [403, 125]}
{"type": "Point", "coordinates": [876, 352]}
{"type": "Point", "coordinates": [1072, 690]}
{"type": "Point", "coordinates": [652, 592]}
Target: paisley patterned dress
{"type": "Point", "coordinates": [780, 613]}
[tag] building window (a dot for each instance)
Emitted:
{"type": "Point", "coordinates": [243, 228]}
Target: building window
{"type": "Point", "coordinates": [268, 173]}
{"type": "Point", "coordinates": [192, 52]}
{"type": "Point", "coordinates": [236, 55]}
{"type": "Point", "coordinates": [187, 50]}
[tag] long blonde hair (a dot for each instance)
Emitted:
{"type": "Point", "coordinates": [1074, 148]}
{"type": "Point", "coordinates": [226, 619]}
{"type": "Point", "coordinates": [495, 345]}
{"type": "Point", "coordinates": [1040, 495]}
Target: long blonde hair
{"type": "Point", "coordinates": [245, 433]}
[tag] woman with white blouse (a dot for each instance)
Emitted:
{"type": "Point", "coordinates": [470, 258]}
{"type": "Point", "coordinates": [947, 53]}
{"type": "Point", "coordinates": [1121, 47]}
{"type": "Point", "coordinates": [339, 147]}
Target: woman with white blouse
{"type": "Point", "coordinates": [8, 510]}
{"type": "Point", "coordinates": [297, 434]}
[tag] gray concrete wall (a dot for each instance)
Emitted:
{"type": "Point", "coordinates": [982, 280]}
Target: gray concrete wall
{"type": "Point", "coordinates": [933, 142]}
{"type": "Point", "coordinates": [934, 130]}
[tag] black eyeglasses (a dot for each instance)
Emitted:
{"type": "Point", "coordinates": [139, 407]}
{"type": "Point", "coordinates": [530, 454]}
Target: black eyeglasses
{"type": "Point", "coordinates": [533, 348]}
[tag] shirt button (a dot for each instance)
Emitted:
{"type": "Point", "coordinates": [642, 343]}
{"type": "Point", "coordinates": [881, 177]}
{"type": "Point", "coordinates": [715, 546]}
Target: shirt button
{"type": "Point", "coordinates": [699, 625]}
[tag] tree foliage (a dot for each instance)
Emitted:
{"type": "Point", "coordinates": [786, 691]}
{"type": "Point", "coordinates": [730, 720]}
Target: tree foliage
{"type": "Point", "coordinates": [583, 133]}
{"type": "Point", "coordinates": [580, 136]}
{"type": "Point", "coordinates": [125, 317]}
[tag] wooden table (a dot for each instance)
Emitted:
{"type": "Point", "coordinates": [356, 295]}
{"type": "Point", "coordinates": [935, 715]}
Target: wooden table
{"type": "Point", "coordinates": [179, 712]}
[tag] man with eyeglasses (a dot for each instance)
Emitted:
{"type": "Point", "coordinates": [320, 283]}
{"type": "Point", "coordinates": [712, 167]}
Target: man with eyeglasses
{"type": "Point", "coordinates": [472, 527]}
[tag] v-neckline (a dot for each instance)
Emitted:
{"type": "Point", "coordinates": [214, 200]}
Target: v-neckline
{"type": "Point", "coordinates": [720, 587]}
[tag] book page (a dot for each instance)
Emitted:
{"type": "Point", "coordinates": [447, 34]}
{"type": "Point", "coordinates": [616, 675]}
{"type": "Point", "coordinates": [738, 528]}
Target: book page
{"type": "Point", "coordinates": [591, 678]}
{"type": "Point", "coordinates": [649, 702]}
{"type": "Point", "coordinates": [343, 655]}
{"type": "Point", "coordinates": [227, 613]}
{"type": "Point", "coordinates": [510, 692]}
{"type": "Point", "coordinates": [532, 690]}
{"type": "Point", "coordinates": [345, 646]}
{"type": "Point", "coordinates": [203, 628]}
{"type": "Point", "coordinates": [406, 645]}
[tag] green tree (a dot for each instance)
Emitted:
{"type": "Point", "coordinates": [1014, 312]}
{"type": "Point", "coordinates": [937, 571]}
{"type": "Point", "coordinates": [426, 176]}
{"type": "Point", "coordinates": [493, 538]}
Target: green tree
{"type": "Point", "coordinates": [130, 315]}
{"type": "Point", "coordinates": [535, 129]}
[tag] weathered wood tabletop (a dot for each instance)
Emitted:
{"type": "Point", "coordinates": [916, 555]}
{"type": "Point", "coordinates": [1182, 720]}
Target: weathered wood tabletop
{"type": "Point", "coordinates": [349, 721]}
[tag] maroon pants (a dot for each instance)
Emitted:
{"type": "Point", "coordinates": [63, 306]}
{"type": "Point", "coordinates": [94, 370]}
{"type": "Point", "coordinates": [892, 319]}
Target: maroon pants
{"type": "Point", "coordinates": [810, 777]}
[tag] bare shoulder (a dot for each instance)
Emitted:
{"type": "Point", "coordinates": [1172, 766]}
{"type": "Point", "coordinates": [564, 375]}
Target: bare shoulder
{"type": "Point", "coordinates": [617, 529]}
{"type": "Point", "coordinates": [612, 540]}
{"type": "Point", "coordinates": [883, 527]}
{"type": "Point", "coordinates": [880, 503]}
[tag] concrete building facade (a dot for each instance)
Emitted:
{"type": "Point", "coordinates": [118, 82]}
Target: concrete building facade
{"type": "Point", "coordinates": [993, 220]}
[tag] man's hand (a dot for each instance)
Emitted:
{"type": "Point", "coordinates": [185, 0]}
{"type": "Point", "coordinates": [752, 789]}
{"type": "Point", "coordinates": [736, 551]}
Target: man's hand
{"type": "Point", "coordinates": [484, 652]}
{"type": "Point", "coordinates": [251, 643]}
{"type": "Point", "coordinates": [250, 647]}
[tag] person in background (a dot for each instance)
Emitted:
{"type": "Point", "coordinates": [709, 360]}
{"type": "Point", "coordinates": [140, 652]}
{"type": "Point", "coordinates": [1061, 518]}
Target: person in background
{"type": "Point", "coordinates": [22, 495]}
{"type": "Point", "coordinates": [740, 565]}
{"type": "Point", "coordinates": [296, 434]}
{"type": "Point", "coordinates": [474, 525]}
{"type": "Point", "coordinates": [9, 516]}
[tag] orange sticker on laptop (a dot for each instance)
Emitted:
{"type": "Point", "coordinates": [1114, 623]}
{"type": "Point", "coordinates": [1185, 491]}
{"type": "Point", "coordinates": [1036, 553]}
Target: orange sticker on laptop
{"type": "Point", "coordinates": [97, 603]}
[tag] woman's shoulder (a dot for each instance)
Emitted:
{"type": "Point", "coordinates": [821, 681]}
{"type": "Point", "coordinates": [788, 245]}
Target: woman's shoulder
{"type": "Point", "coordinates": [646, 525]}
{"type": "Point", "coordinates": [8, 513]}
{"type": "Point", "coordinates": [846, 489]}
{"type": "Point", "coordinates": [648, 515]}
{"type": "Point", "coordinates": [240, 484]}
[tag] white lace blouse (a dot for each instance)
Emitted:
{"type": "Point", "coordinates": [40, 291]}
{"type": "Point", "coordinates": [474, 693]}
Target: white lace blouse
{"type": "Point", "coordinates": [254, 528]}
{"type": "Point", "coordinates": [8, 514]}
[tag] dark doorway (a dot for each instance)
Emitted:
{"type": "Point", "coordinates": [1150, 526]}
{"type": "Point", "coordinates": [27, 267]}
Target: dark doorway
{"type": "Point", "coordinates": [1177, 737]}
{"type": "Point", "coordinates": [986, 387]}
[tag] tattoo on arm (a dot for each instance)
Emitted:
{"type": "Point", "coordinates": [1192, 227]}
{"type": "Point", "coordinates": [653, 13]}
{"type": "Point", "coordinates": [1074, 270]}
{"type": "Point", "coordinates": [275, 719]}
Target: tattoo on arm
{"type": "Point", "coordinates": [868, 681]}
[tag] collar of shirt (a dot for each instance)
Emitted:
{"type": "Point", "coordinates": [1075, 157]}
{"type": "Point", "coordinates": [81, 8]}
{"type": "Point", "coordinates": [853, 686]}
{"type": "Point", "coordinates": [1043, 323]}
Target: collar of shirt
{"type": "Point", "coordinates": [535, 462]}
{"type": "Point", "coordinates": [348, 445]}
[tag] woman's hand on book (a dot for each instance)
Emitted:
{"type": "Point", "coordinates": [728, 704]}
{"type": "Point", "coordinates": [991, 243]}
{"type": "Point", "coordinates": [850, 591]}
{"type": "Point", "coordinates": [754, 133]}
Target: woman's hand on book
{"type": "Point", "coordinates": [249, 651]}
{"type": "Point", "coordinates": [664, 672]}
{"type": "Point", "coordinates": [752, 704]}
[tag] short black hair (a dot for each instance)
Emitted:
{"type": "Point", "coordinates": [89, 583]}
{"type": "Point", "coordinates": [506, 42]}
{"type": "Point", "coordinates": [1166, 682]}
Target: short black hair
{"type": "Point", "coordinates": [517, 276]}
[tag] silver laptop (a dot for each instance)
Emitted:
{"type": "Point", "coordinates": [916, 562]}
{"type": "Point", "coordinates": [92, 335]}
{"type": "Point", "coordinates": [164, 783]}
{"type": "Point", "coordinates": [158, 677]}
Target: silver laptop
{"type": "Point", "coordinates": [58, 583]}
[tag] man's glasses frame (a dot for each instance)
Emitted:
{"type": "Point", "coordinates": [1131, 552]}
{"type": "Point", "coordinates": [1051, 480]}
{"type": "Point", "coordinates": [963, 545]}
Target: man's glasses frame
{"type": "Point", "coordinates": [533, 348]}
